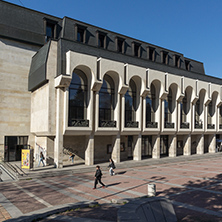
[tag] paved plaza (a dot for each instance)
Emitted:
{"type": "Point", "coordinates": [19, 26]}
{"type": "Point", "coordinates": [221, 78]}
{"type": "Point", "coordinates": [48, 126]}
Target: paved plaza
{"type": "Point", "coordinates": [193, 184]}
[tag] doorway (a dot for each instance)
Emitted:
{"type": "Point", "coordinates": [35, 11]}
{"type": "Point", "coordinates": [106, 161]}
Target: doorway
{"type": "Point", "coordinates": [14, 146]}
{"type": "Point", "coordinates": [164, 147]}
{"type": "Point", "coordinates": [130, 147]}
{"type": "Point", "coordinates": [147, 146]}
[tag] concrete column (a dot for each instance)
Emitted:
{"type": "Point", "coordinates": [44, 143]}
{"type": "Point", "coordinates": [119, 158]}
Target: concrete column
{"type": "Point", "coordinates": [200, 144]}
{"type": "Point", "coordinates": [156, 147]}
{"type": "Point", "coordinates": [187, 145]}
{"type": "Point", "coordinates": [172, 145]}
{"type": "Point", "coordinates": [212, 143]}
{"type": "Point", "coordinates": [116, 149]}
{"type": "Point", "coordinates": [89, 152]}
{"type": "Point", "coordinates": [137, 152]}
{"type": "Point", "coordinates": [58, 145]}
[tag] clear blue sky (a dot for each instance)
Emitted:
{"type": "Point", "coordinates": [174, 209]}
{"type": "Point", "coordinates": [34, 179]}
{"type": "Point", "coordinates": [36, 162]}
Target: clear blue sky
{"type": "Point", "coordinates": [192, 27]}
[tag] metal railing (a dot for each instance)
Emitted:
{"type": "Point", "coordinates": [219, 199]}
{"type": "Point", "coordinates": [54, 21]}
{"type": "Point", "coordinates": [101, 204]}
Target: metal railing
{"type": "Point", "coordinates": [151, 124]}
{"type": "Point", "coordinates": [131, 124]}
{"type": "Point", "coordinates": [184, 125]}
{"type": "Point", "coordinates": [107, 123]}
{"type": "Point", "coordinates": [210, 126]}
{"type": "Point", "coordinates": [168, 125]}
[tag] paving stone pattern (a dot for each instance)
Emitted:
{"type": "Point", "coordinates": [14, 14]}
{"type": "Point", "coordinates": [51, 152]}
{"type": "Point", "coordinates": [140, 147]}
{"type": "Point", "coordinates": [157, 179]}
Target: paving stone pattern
{"type": "Point", "coordinates": [194, 187]}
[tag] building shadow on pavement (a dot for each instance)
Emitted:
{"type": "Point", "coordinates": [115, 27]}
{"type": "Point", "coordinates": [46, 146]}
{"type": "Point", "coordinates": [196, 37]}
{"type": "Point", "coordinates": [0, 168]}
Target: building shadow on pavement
{"type": "Point", "coordinates": [197, 200]}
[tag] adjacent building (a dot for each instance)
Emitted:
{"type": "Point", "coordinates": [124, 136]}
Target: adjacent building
{"type": "Point", "coordinates": [71, 87]}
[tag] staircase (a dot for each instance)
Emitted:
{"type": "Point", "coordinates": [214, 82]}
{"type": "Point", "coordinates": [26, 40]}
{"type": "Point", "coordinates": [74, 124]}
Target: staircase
{"type": "Point", "coordinates": [10, 171]}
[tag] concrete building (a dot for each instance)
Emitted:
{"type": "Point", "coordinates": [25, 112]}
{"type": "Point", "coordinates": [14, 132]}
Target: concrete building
{"type": "Point", "coordinates": [67, 86]}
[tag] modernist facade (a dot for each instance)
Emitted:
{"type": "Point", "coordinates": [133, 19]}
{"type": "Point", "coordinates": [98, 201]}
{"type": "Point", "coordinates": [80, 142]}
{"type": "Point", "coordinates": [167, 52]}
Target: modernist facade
{"type": "Point", "coordinates": [67, 86]}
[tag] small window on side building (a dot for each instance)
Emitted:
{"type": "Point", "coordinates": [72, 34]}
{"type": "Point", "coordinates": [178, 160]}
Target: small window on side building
{"type": "Point", "coordinates": [187, 65]}
{"type": "Point", "coordinates": [101, 40]}
{"type": "Point", "coordinates": [50, 29]}
{"type": "Point", "coordinates": [120, 45]}
{"type": "Point", "coordinates": [80, 33]}
{"type": "Point", "coordinates": [151, 54]}
{"type": "Point", "coordinates": [136, 49]}
{"type": "Point", "coordinates": [165, 57]}
{"type": "Point", "coordinates": [177, 61]}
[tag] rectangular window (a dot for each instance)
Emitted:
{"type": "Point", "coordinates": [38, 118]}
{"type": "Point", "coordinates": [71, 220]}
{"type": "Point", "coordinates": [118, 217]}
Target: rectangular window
{"type": "Point", "coordinates": [120, 45]}
{"type": "Point", "coordinates": [164, 57]}
{"type": "Point", "coordinates": [177, 61]}
{"type": "Point", "coordinates": [80, 34]}
{"type": "Point", "coordinates": [136, 47]}
{"type": "Point", "coordinates": [101, 37]}
{"type": "Point", "coordinates": [210, 112]}
{"type": "Point", "coordinates": [187, 65]}
{"type": "Point", "coordinates": [101, 41]}
{"type": "Point", "coordinates": [151, 54]}
{"type": "Point", "coordinates": [49, 31]}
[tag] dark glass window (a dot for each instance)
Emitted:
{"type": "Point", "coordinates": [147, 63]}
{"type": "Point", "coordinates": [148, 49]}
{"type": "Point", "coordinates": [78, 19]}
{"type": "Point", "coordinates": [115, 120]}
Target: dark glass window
{"type": "Point", "coordinates": [164, 145]}
{"type": "Point", "coordinates": [150, 104]}
{"type": "Point", "coordinates": [77, 97]}
{"type": "Point", "coordinates": [210, 113]}
{"type": "Point", "coordinates": [50, 29]}
{"type": "Point", "coordinates": [151, 54]}
{"type": "Point", "coordinates": [148, 109]}
{"type": "Point", "coordinates": [220, 115]}
{"type": "Point", "coordinates": [101, 40]}
{"type": "Point", "coordinates": [177, 61]}
{"type": "Point", "coordinates": [187, 65]}
{"type": "Point", "coordinates": [165, 57]}
{"type": "Point", "coordinates": [147, 146]}
{"type": "Point", "coordinates": [183, 109]}
{"type": "Point", "coordinates": [14, 146]}
{"type": "Point", "coordinates": [80, 34]}
{"type": "Point", "coordinates": [168, 107]}
{"type": "Point", "coordinates": [106, 99]}
{"type": "Point", "coordinates": [130, 102]}
{"type": "Point", "coordinates": [197, 112]}
{"type": "Point", "coordinates": [120, 45]}
{"type": "Point", "coordinates": [137, 50]}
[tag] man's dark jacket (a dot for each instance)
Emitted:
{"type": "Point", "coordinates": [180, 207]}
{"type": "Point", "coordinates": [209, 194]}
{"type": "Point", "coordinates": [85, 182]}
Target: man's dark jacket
{"type": "Point", "coordinates": [98, 173]}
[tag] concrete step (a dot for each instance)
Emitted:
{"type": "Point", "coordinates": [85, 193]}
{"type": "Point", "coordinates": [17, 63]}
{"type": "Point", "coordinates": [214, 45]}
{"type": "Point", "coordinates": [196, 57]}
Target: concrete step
{"type": "Point", "coordinates": [7, 174]}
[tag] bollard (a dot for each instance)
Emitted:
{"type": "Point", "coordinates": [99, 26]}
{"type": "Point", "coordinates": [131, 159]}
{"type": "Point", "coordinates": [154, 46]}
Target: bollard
{"type": "Point", "coordinates": [151, 190]}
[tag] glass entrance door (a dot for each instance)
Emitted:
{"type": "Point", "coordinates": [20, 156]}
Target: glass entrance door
{"type": "Point", "coordinates": [164, 147]}
{"type": "Point", "coordinates": [130, 147]}
{"type": "Point", "coordinates": [146, 146]}
{"type": "Point", "coordinates": [13, 147]}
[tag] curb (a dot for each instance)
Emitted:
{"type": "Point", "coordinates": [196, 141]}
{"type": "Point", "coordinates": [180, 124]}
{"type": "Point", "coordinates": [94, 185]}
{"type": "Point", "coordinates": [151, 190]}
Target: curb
{"type": "Point", "coordinates": [43, 213]}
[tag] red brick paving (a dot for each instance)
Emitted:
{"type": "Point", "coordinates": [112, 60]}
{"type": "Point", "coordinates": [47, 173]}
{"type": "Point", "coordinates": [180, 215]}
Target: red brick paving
{"type": "Point", "coordinates": [179, 181]}
{"type": "Point", "coordinates": [21, 200]}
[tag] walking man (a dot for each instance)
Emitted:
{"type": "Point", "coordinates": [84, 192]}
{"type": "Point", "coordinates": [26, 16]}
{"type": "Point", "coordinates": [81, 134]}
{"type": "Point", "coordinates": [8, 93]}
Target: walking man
{"type": "Point", "coordinates": [98, 176]}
